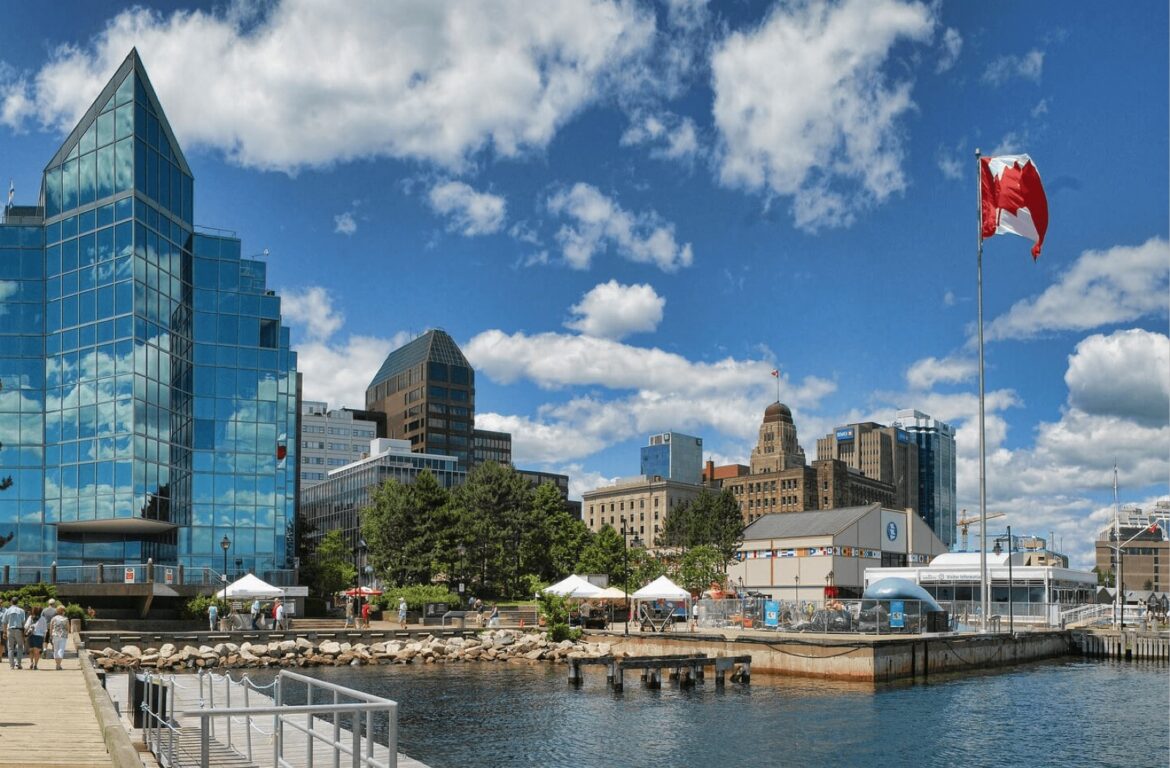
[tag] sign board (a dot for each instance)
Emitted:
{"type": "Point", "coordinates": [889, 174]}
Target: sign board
{"type": "Point", "coordinates": [771, 613]}
{"type": "Point", "coordinates": [169, 575]}
{"type": "Point", "coordinates": [844, 434]}
{"type": "Point", "coordinates": [897, 614]}
{"type": "Point", "coordinates": [893, 532]}
{"type": "Point", "coordinates": [128, 577]}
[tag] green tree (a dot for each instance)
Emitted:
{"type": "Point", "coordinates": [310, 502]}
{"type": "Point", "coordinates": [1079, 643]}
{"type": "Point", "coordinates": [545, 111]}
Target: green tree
{"type": "Point", "coordinates": [401, 527]}
{"type": "Point", "coordinates": [644, 567]}
{"type": "Point", "coordinates": [699, 566]}
{"type": "Point", "coordinates": [605, 554]}
{"type": "Point", "coordinates": [491, 507]}
{"type": "Point", "coordinates": [707, 520]}
{"type": "Point", "coordinates": [334, 566]}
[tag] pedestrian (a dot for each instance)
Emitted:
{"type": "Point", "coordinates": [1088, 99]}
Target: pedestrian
{"type": "Point", "coordinates": [349, 612]}
{"type": "Point", "coordinates": [478, 612]}
{"type": "Point", "coordinates": [402, 612]}
{"type": "Point", "coordinates": [14, 619]}
{"type": "Point", "coordinates": [212, 616]}
{"type": "Point", "coordinates": [366, 614]}
{"type": "Point", "coordinates": [50, 610]}
{"type": "Point", "coordinates": [255, 613]}
{"type": "Point", "coordinates": [35, 628]}
{"type": "Point", "coordinates": [494, 616]}
{"type": "Point", "coordinates": [58, 635]}
{"type": "Point", "coordinates": [278, 614]}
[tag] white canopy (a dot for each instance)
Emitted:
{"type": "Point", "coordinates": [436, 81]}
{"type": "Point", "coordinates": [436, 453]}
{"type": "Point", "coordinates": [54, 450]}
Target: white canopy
{"type": "Point", "coordinates": [249, 586]}
{"type": "Point", "coordinates": [611, 593]}
{"type": "Point", "coordinates": [574, 586]}
{"type": "Point", "coordinates": [662, 588]}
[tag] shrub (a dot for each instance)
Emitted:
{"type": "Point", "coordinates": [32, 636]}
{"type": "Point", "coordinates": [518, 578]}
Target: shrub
{"type": "Point", "coordinates": [196, 607]}
{"type": "Point", "coordinates": [417, 596]}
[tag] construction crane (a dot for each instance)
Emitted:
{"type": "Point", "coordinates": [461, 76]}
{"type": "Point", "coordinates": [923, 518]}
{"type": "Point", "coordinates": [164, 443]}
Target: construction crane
{"type": "Point", "coordinates": [965, 522]}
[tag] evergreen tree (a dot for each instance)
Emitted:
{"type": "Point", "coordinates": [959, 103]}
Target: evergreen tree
{"type": "Point", "coordinates": [605, 554]}
{"type": "Point", "coordinates": [491, 506]}
{"type": "Point", "coordinates": [334, 569]}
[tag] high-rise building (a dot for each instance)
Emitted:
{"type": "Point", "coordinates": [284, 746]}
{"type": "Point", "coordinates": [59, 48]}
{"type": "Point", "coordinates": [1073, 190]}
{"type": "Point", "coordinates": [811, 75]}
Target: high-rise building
{"type": "Point", "coordinates": [331, 439]}
{"type": "Point", "coordinates": [674, 456]}
{"type": "Point", "coordinates": [777, 448]}
{"type": "Point", "coordinates": [885, 454]}
{"type": "Point", "coordinates": [148, 404]}
{"type": "Point", "coordinates": [936, 470]}
{"type": "Point", "coordinates": [491, 446]}
{"type": "Point", "coordinates": [426, 388]}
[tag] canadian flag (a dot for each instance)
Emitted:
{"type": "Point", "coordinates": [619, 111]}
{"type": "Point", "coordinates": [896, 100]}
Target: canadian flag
{"type": "Point", "coordinates": [1013, 199]}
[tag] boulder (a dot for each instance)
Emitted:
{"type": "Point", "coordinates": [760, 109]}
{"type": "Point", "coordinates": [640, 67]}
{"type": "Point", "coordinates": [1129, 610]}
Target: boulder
{"type": "Point", "coordinates": [133, 651]}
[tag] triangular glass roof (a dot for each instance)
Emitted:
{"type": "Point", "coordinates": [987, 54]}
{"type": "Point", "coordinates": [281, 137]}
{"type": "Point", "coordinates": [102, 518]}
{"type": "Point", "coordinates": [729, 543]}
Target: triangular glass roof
{"type": "Point", "coordinates": [128, 82]}
{"type": "Point", "coordinates": [434, 345]}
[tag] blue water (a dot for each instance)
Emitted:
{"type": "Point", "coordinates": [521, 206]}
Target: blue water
{"type": "Point", "coordinates": [1061, 714]}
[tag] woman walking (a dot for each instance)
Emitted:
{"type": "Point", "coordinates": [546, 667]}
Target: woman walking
{"type": "Point", "coordinates": [35, 628]}
{"type": "Point", "coordinates": [58, 634]}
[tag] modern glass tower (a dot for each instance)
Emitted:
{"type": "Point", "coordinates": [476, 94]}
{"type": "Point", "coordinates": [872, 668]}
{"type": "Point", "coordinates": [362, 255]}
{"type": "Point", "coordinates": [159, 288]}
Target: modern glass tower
{"type": "Point", "coordinates": [674, 456]}
{"type": "Point", "coordinates": [148, 390]}
{"type": "Point", "coordinates": [936, 470]}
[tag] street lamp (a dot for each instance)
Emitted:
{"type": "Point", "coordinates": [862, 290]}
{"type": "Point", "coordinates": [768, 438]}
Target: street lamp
{"type": "Point", "coordinates": [625, 577]}
{"type": "Point", "coordinates": [1120, 589]}
{"type": "Point", "coordinates": [358, 555]}
{"type": "Point", "coordinates": [226, 543]}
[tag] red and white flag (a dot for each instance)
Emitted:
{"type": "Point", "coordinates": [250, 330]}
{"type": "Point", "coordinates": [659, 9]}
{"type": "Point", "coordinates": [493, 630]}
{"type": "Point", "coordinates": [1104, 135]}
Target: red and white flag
{"type": "Point", "coordinates": [776, 372]}
{"type": "Point", "coordinates": [1013, 199]}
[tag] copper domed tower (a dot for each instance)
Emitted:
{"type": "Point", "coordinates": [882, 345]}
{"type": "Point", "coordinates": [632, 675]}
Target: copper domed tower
{"type": "Point", "coordinates": [777, 448]}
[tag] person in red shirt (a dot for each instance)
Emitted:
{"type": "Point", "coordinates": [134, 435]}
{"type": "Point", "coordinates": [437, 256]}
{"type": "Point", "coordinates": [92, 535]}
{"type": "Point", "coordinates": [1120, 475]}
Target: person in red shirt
{"type": "Point", "coordinates": [366, 614]}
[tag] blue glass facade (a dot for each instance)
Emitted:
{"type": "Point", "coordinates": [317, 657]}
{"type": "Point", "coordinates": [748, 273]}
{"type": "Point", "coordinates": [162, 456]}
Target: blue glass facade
{"type": "Point", "coordinates": [673, 456]}
{"type": "Point", "coordinates": [148, 388]}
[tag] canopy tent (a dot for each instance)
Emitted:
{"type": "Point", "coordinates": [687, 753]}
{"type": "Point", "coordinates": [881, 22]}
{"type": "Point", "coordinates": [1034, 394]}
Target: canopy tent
{"type": "Point", "coordinates": [611, 593]}
{"type": "Point", "coordinates": [574, 586]}
{"type": "Point", "coordinates": [249, 586]}
{"type": "Point", "coordinates": [661, 588]}
{"type": "Point", "coordinates": [362, 591]}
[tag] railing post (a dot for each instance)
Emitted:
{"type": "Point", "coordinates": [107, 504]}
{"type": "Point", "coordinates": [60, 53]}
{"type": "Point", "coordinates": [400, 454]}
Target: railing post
{"type": "Point", "coordinates": [149, 570]}
{"type": "Point", "coordinates": [101, 573]}
{"type": "Point", "coordinates": [336, 732]}
{"type": "Point", "coordinates": [182, 580]}
{"type": "Point", "coordinates": [248, 724]}
{"type": "Point", "coordinates": [227, 702]}
{"type": "Point", "coordinates": [204, 741]}
{"type": "Point", "coordinates": [355, 723]}
{"type": "Point", "coordinates": [53, 572]}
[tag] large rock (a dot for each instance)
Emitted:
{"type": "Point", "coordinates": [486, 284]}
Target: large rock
{"type": "Point", "coordinates": [133, 651]}
{"type": "Point", "coordinates": [329, 647]}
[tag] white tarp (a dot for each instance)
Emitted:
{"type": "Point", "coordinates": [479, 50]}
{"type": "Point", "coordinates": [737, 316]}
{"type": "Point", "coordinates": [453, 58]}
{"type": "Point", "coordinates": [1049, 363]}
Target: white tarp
{"type": "Point", "coordinates": [249, 587]}
{"type": "Point", "coordinates": [611, 593]}
{"type": "Point", "coordinates": [574, 586]}
{"type": "Point", "coordinates": [662, 588]}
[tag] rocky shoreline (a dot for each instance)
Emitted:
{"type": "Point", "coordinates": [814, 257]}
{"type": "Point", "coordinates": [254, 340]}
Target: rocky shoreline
{"type": "Point", "coordinates": [491, 645]}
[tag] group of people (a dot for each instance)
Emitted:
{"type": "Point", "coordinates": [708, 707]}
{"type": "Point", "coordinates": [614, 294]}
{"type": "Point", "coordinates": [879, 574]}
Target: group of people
{"type": "Point", "coordinates": [493, 618]}
{"type": "Point", "coordinates": [279, 619]}
{"type": "Point", "coordinates": [27, 632]}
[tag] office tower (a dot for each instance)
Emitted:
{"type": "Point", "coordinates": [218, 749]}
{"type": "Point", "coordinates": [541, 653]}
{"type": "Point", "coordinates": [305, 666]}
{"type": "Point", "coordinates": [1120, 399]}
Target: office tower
{"type": "Point", "coordinates": [936, 470]}
{"type": "Point", "coordinates": [674, 456]}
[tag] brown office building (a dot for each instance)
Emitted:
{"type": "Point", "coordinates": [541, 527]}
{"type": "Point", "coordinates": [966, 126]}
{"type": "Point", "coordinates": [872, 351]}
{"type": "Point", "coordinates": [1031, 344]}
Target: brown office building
{"type": "Point", "coordinates": [886, 454]}
{"type": "Point", "coordinates": [1145, 559]}
{"type": "Point", "coordinates": [426, 388]}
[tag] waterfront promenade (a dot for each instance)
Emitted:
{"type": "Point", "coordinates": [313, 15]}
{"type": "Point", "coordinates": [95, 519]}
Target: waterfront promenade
{"type": "Point", "coordinates": [47, 717]}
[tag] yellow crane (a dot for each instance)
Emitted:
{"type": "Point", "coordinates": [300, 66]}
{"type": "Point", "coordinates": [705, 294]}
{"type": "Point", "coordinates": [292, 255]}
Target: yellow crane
{"type": "Point", "coordinates": [965, 522]}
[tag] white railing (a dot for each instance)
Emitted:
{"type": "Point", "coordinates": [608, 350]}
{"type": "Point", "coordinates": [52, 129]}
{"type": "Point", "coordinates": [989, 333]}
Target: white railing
{"type": "Point", "coordinates": [299, 735]}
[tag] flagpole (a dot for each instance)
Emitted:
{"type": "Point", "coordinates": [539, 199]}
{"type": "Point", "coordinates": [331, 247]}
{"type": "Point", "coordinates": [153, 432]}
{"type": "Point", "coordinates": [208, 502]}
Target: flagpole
{"type": "Point", "coordinates": [984, 594]}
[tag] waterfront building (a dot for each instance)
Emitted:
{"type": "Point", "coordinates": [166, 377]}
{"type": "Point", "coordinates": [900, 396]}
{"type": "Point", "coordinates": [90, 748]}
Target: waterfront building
{"type": "Point", "coordinates": [336, 502]}
{"type": "Point", "coordinates": [491, 446]}
{"type": "Point", "coordinates": [148, 396]}
{"type": "Point", "coordinates": [674, 456]}
{"type": "Point", "coordinates": [426, 388]}
{"type": "Point", "coordinates": [331, 439]}
{"type": "Point", "coordinates": [936, 470]}
{"type": "Point", "coordinates": [808, 555]}
{"type": "Point", "coordinates": [1145, 561]}
{"type": "Point", "coordinates": [637, 505]}
{"type": "Point", "coordinates": [886, 454]}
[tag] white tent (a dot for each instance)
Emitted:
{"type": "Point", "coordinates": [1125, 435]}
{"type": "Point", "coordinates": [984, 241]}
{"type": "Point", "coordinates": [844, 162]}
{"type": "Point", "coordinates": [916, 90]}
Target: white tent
{"type": "Point", "coordinates": [249, 587]}
{"type": "Point", "coordinates": [662, 588]}
{"type": "Point", "coordinates": [574, 586]}
{"type": "Point", "coordinates": [611, 593]}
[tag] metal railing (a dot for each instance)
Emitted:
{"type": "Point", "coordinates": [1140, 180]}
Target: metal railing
{"type": "Point", "coordinates": [299, 734]}
{"type": "Point", "coordinates": [878, 617]}
{"type": "Point", "coordinates": [129, 573]}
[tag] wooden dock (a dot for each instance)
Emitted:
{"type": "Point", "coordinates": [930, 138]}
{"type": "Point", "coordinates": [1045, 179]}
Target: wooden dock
{"type": "Point", "coordinates": [1125, 644]}
{"type": "Point", "coordinates": [686, 669]}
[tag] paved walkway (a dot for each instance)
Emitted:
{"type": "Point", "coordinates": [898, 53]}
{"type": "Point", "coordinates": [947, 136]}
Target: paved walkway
{"type": "Point", "coordinates": [47, 718]}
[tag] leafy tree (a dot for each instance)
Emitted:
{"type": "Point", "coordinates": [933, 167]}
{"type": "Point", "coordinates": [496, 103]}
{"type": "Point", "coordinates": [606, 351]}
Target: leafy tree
{"type": "Point", "coordinates": [402, 526]}
{"type": "Point", "coordinates": [335, 570]}
{"type": "Point", "coordinates": [605, 554]}
{"type": "Point", "coordinates": [644, 567]}
{"type": "Point", "coordinates": [699, 566]}
{"type": "Point", "coordinates": [491, 506]}
{"type": "Point", "coordinates": [708, 519]}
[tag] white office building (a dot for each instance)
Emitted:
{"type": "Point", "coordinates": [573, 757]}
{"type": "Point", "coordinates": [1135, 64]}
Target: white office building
{"type": "Point", "coordinates": [330, 439]}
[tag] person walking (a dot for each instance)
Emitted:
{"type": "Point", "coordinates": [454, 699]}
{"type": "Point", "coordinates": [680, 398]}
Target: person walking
{"type": "Point", "coordinates": [58, 635]}
{"type": "Point", "coordinates": [14, 619]}
{"type": "Point", "coordinates": [349, 612]}
{"type": "Point", "coordinates": [255, 613]}
{"type": "Point", "coordinates": [366, 614]}
{"type": "Point", "coordinates": [402, 612]}
{"type": "Point", "coordinates": [494, 616]}
{"type": "Point", "coordinates": [35, 628]}
{"type": "Point", "coordinates": [478, 612]}
{"type": "Point", "coordinates": [212, 616]}
{"type": "Point", "coordinates": [278, 614]}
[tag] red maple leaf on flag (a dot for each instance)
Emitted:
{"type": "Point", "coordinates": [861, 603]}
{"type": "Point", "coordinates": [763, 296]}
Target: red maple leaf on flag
{"type": "Point", "coordinates": [1017, 188]}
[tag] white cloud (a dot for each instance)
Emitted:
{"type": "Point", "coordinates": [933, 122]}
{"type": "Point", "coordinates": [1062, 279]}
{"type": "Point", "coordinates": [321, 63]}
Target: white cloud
{"type": "Point", "coordinates": [671, 137]}
{"type": "Point", "coordinates": [471, 213]}
{"type": "Point", "coordinates": [1125, 375]}
{"type": "Point", "coordinates": [929, 371]}
{"type": "Point", "coordinates": [952, 46]}
{"type": "Point", "coordinates": [803, 108]}
{"type": "Point", "coordinates": [302, 85]}
{"type": "Point", "coordinates": [598, 222]}
{"type": "Point", "coordinates": [612, 310]}
{"type": "Point", "coordinates": [312, 310]}
{"type": "Point", "coordinates": [950, 163]}
{"type": "Point", "coordinates": [344, 224]}
{"type": "Point", "coordinates": [1028, 67]}
{"type": "Point", "coordinates": [1101, 288]}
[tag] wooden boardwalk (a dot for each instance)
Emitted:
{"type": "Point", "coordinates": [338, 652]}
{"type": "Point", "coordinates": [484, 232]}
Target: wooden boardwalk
{"type": "Point", "coordinates": [296, 748]}
{"type": "Point", "coordinates": [47, 717]}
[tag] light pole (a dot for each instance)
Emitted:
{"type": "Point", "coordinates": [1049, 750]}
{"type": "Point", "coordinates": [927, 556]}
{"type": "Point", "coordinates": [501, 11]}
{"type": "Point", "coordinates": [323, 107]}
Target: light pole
{"type": "Point", "coordinates": [625, 577]}
{"type": "Point", "coordinates": [797, 580]}
{"type": "Point", "coordinates": [1011, 585]}
{"type": "Point", "coordinates": [226, 543]}
{"type": "Point", "coordinates": [358, 555]}
{"type": "Point", "coordinates": [1151, 528]}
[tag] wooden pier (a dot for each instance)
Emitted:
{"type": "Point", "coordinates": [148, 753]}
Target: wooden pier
{"type": "Point", "coordinates": [687, 669]}
{"type": "Point", "coordinates": [1124, 644]}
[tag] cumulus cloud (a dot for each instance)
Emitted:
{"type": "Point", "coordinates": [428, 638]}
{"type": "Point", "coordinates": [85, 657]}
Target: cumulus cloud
{"type": "Point", "coordinates": [1026, 67]}
{"type": "Point", "coordinates": [597, 223]}
{"type": "Point", "coordinates": [471, 213]}
{"type": "Point", "coordinates": [929, 371]}
{"type": "Point", "coordinates": [301, 85]}
{"type": "Point", "coordinates": [804, 109]}
{"type": "Point", "coordinates": [1124, 375]}
{"type": "Point", "coordinates": [612, 310]}
{"type": "Point", "coordinates": [312, 309]}
{"type": "Point", "coordinates": [1101, 288]}
{"type": "Point", "coordinates": [344, 224]}
{"type": "Point", "coordinates": [669, 136]}
{"type": "Point", "coordinates": [950, 163]}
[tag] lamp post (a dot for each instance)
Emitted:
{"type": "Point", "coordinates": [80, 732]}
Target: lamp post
{"type": "Point", "coordinates": [1120, 573]}
{"type": "Point", "coordinates": [1011, 585]}
{"type": "Point", "coordinates": [226, 543]}
{"type": "Point", "coordinates": [797, 580]}
{"type": "Point", "coordinates": [358, 555]}
{"type": "Point", "coordinates": [625, 578]}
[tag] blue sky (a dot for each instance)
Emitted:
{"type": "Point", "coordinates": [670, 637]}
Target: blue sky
{"type": "Point", "coordinates": [628, 214]}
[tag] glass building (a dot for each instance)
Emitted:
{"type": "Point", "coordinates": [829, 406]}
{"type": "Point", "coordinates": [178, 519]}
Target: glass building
{"type": "Point", "coordinates": [674, 456]}
{"type": "Point", "coordinates": [936, 470]}
{"type": "Point", "coordinates": [148, 390]}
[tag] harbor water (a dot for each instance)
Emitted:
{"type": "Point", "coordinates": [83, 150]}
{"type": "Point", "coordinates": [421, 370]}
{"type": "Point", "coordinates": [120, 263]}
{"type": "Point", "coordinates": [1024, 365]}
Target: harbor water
{"type": "Point", "coordinates": [1070, 712]}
